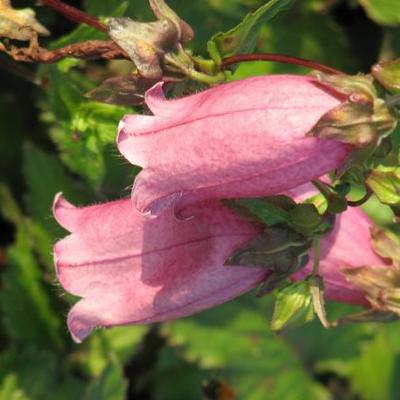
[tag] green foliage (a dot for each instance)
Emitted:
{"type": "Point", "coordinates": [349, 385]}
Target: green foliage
{"type": "Point", "coordinates": [243, 37]}
{"type": "Point", "coordinates": [232, 344]}
{"type": "Point", "coordinates": [26, 310]}
{"type": "Point", "coordinates": [385, 12]}
{"type": "Point", "coordinates": [110, 386]}
{"type": "Point", "coordinates": [312, 35]}
{"type": "Point", "coordinates": [84, 131]}
{"type": "Point", "coordinates": [235, 340]}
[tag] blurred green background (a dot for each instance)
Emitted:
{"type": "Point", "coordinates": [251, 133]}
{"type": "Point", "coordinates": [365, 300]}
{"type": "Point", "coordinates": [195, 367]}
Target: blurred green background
{"type": "Point", "coordinates": [52, 139]}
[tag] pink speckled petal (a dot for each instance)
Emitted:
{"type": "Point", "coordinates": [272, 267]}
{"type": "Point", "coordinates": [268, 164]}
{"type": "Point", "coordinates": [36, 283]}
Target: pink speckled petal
{"type": "Point", "coordinates": [133, 269]}
{"type": "Point", "coordinates": [242, 139]}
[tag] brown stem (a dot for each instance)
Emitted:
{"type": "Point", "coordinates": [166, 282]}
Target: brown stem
{"type": "Point", "coordinates": [74, 14]}
{"type": "Point", "coordinates": [91, 49]}
{"type": "Point", "coordinates": [281, 58]}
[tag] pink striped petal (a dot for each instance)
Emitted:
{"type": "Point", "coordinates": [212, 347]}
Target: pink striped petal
{"type": "Point", "coordinates": [132, 269]}
{"type": "Point", "coordinates": [241, 139]}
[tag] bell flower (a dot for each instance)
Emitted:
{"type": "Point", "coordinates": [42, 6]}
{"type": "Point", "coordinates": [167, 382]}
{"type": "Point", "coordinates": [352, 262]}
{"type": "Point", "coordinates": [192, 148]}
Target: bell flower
{"type": "Point", "coordinates": [130, 269]}
{"type": "Point", "coordinates": [246, 138]}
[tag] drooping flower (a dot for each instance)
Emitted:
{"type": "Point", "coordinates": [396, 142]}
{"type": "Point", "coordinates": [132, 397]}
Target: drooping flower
{"type": "Point", "coordinates": [242, 139]}
{"type": "Point", "coordinates": [130, 269]}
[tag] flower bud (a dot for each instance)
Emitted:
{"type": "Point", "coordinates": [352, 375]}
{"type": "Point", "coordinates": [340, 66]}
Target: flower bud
{"type": "Point", "coordinates": [147, 44]}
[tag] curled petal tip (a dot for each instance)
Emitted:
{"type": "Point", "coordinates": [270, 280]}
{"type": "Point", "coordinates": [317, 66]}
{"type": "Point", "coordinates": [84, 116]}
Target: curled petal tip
{"type": "Point", "coordinates": [78, 327]}
{"type": "Point", "coordinates": [62, 211]}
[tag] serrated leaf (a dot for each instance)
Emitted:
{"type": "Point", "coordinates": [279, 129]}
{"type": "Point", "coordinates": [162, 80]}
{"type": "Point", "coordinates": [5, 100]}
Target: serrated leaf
{"type": "Point", "coordinates": [384, 12]}
{"type": "Point", "coordinates": [243, 38]}
{"type": "Point", "coordinates": [374, 373]}
{"type": "Point", "coordinates": [235, 339]}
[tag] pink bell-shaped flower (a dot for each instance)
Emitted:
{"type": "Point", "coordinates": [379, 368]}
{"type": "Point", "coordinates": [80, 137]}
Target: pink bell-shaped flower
{"type": "Point", "coordinates": [131, 269]}
{"type": "Point", "coordinates": [245, 138]}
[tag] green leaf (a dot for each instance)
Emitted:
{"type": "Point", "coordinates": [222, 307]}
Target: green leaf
{"type": "Point", "coordinates": [243, 38]}
{"type": "Point", "coordinates": [120, 342]}
{"type": "Point", "coordinates": [374, 373]}
{"type": "Point", "coordinates": [85, 131]}
{"type": "Point", "coordinates": [385, 183]}
{"type": "Point", "coordinates": [235, 339]}
{"type": "Point", "coordinates": [312, 35]}
{"type": "Point", "coordinates": [109, 8]}
{"type": "Point", "coordinates": [38, 375]}
{"type": "Point", "coordinates": [25, 303]}
{"type": "Point", "coordinates": [9, 388]}
{"type": "Point", "coordinates": [164, 382]}
{"type": "Point", "coordinates": [328, 350]}
{"type": "Point", "coordinates": [268, 212]}
{"type": "Point", "coordinates": [45, 176]}
{"type": "Point", "coordinates": [292, 302]}
{"type": "Point", "coordinates": [384, 12]}
{"type": "Point", "coordinates": [110, 386]}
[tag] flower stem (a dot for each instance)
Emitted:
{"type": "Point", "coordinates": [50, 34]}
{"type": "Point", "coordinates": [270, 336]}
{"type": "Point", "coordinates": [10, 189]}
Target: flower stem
{"type": "Point", "coordinates": [74, 14]}
{"type": "Point", "coordinates": [281, 58]}
{"type": "Point", "coordinates": [317, 256]}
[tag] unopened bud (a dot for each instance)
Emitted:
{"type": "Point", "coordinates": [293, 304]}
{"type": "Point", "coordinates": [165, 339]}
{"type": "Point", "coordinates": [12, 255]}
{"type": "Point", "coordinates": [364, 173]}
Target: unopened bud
{"type": "Point", "coordinates": [148, 43]}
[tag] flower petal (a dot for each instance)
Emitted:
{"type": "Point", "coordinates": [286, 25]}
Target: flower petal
{"type": "Point", "coordinates": [242, 139]}
{"type": "Point", "coordinates": [132, 269]}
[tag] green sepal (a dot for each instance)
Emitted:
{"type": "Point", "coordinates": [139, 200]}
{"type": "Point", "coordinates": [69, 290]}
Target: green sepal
{"type": "Point", "coordinates": [360, 88]}
{"type": "Point", "coordinates": [362, 119]}
{"type": "Point", "coordinates": [305, 218]}
{"type": "Point", "coordinates": [388, 75]}
{"type": "Point", "coordinates": [269, 210]}
{"type": "Point", "coordinates": [279, 249]}
{"type": "Point", "coordinates": [385, 183]}
{"type": "Point", "coordinates": [293, 303]}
